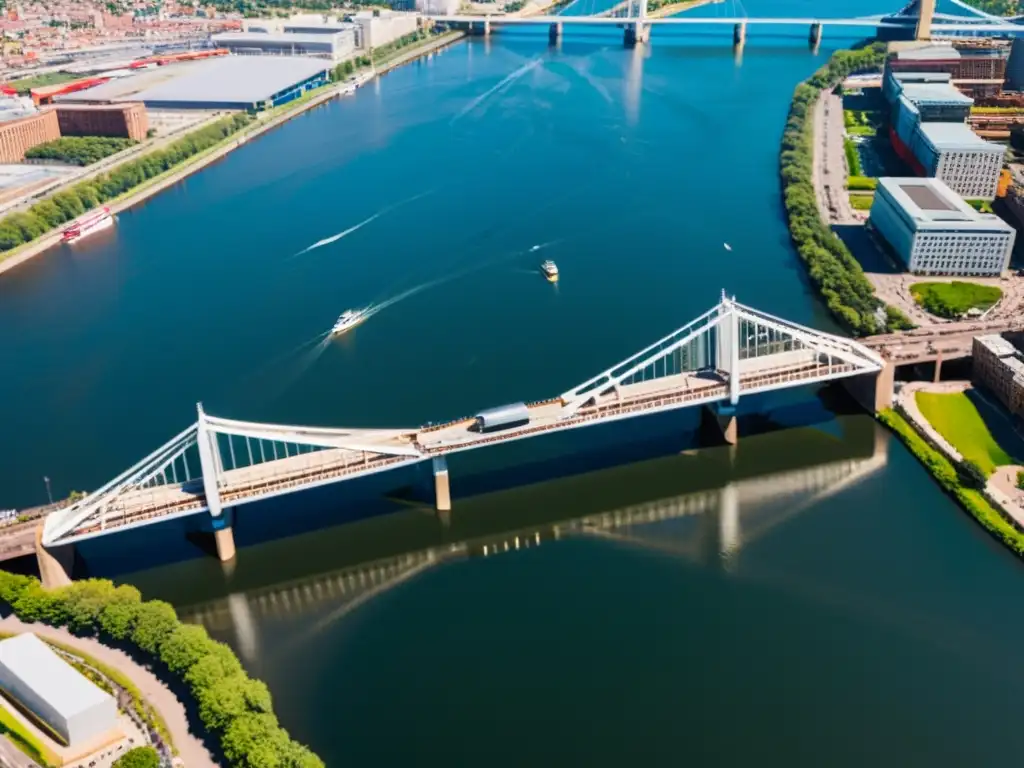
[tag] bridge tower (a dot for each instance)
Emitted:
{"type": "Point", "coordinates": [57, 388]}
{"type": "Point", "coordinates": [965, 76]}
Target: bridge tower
{"type": "Point", "coordinates": [925, 12]}
{"type": "Point", "coordinates": [213, 469]}
{"type": "Point", "coordinates": [638, 30]}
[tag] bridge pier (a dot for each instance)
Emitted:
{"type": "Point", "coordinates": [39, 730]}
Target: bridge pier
{"type": "Point", "coordinates": [720, 420]}
{"type": "Point", "coordinates": [55, 564]}
{"type": "Point", "coordinates": [224, 538]}
{"type": "Point", "coordinates": [555, 33]}
{"type": "Point", "coordinates": [874, 391]}
{"type": "Point", "coordinates": [814, 38]}
{"type": "Point", "coordinates": [938, 368]}
{"type": "Point", "coordinates": [487, 27]}
{"type": "Point", "coordinates": [636, 32]}
{"type": "Point", "coordinates": [442, 490]}
{"type": "Point", "coordinates": [739, 34]}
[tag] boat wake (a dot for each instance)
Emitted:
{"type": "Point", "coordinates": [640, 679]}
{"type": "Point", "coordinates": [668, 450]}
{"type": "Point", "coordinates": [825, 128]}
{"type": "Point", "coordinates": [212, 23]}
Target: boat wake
{"type": "Point", "coordinates": [507, 81]}
{"type": "Point", "coordinates": [361, 224]}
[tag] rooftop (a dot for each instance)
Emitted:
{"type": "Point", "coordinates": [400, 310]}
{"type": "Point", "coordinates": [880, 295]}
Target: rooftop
{"type": "Point", "coordinates": [935, 93]}
{"type": "Point", "coordinates": [53, 679]}
{"type": "Point", "coordinates": [298, 38]}
{"type": "Point", "coordinates": [226, 79]}
{"type": "Point", "coordinates": [955, 136]}
{"type": "Point", "coordinates": [931, 52]}
{"type": "Point", "coordinates": [933, 205]}
{"type": "Point", "coordinates": [996, 344]}
{"type": "Point", "coordinates": [922, 77]}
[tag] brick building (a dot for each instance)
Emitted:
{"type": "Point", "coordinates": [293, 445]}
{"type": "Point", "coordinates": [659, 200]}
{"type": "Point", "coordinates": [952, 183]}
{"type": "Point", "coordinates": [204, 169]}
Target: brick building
{"type": "Point", "coordinates": [125, 120]}
{"type": "Point", "coordinates": [17, 136]}
{"type": "Point", "coordinates": [999, 368]}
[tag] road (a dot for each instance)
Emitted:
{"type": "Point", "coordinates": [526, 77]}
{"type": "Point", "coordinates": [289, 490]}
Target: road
{"type": "Point", "coordinates": [12, 757]}
{"type": "Point", "coordinates": [830, 171]}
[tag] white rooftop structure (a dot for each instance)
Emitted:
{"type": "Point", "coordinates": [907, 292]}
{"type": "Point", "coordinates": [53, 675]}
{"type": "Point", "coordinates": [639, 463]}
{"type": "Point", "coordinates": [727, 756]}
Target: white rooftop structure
{"type": "Point", "coordinates": [931, 203]}
{"type": "Point", "coordinates": [929, 52]}
{"type": "Point", "coordinates": [954, 136]}
{"type": "Point", "coordinates": [997, 345]}
{"type": "Point", "coordinates": [54, 691]}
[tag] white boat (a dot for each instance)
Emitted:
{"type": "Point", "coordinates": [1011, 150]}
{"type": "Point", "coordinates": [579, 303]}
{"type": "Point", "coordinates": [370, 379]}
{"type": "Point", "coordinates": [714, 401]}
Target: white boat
{"type": "Point", "coordinates": [92, 222]}
{"type": "Point", "coordinates": [550, 271]}
{"type": "Point", "coordinates": [727, 246]}
{"type": "Point", "coordinates": [349, 319]}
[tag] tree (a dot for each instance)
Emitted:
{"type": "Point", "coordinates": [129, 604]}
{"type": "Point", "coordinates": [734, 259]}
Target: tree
{"type": "Point", "coordinates": [255, 741]}
{"type": "Point", "coordinates": [155, 620]}
{"type": "Point", "coordinates": [218, 664]}
{"type": "Point", "coordinates": [185, 646]}
{"type": "Point", "coordinates": [140, 757]}
{"type": "Point", "coordinates": [230, 698]}
{"type": "Point", "coordinates": [972, 475]}
{"type": "Point", "coordinates": [118, 617]}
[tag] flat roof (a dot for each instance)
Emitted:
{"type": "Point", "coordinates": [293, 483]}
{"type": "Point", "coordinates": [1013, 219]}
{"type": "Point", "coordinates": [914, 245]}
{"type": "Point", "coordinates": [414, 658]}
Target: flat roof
{"type": "Point", "coordinates": [999, 346]}
{"type": "Point", "coordinates": [281, 38]}
{"type": "Point", "coordinates": [922, 77]}
{"type": "Point", "coordinates": [931, 204]}
{"type": "Point", "coordinates": [936, 93]}
{"type": "Point", "coordinates": [956, 136]}
{"type": "Point", "coordinates": [54, 680]}
{"type": "Point", "coordinates": [223, 80]}
{"type": "Point", "coordinates": [929, 52]}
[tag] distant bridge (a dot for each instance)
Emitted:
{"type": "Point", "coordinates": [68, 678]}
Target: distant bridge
{"type": "Point", "coordinates": [214, 464]}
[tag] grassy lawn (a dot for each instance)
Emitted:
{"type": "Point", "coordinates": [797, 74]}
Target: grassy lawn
{"type": "Point", "coordinates": [20, 737]}
{"type": "Point", "coordinates": [861, 202]}
{"type": "Point", "coordinates": [955, 298]}
{"type": "Point", "coordinates": [957, 419]}
{"type": "Point", "coordinates": [983, 206]}
{"type": "Point", "coordinates": [26, 84]}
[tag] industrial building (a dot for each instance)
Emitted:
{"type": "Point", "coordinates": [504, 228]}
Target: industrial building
{"type": "Point", "coordinates": [333, 45]}
{"type": "Point", "coordinates": [929, 132]}
{"type": "Point", "coordinates": [124, 120]}
{"type": "Point", "coordinates": [52, 690]}
{"type": "Point", "coordinates": [997, 366]}
{"type": "Point", "coordinates": [377, 28]}
{"type": "Point", "coordinates": [934, 232]}
{"type": "Point", "coordinates": [980, 71]}
{"type": "Point", "coordinates": [21, 134]}
{"type": "Point", "coordinates": [229, 82]}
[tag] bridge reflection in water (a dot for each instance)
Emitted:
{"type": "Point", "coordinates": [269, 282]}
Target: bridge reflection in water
{"type": "Point", "coordinates": [709, 526]}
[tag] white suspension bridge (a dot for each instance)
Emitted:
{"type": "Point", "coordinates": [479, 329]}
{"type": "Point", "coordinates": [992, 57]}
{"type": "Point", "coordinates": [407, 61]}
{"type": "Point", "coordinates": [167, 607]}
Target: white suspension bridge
{"type": "Point", "coordinates": [215, 464]}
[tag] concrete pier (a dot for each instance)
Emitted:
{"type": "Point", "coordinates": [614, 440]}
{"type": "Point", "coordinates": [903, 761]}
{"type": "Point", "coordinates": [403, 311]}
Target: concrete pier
{"type": "Point", "coordinates": [487, 27]}
{"type": "Point", "coordinates": [636, 32]}
{"type": "Point", "coordinates": [874, 391]}
{"type": "Point", "coordinates": [56, 564]}
{"type": "Point", "coordinates": [938, 368]}
{"type": "Point", "coordinates": [555, 33]}
{"type": "Point", "coordinates": [720, 419]}
{"type": "Point", "coordinates": [814, 38]}
{"type": "Point", "coordinates": [224, 538]}
{"type": "Point", "coordinates": [739, 34]}
{"type": "Point", "coordinates": [442, 489]}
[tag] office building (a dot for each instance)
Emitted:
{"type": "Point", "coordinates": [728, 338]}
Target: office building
{"type": "Point", "coordinates": [22, 133]}
{"type": "Point", "coordinates": [331, 46]}
{"type": "Point", "coordinates": [377, 28]}
{"type": "Point", "coordinates": [125, 120]}
{"type": "Point", "coordinates": [998, 367]}
{"type": "Point", "coordinates": [53, 691]}
{"type": "Point", "coordinates": [438, 7]}
{"type": "Point", "coordinates": [932, 231]}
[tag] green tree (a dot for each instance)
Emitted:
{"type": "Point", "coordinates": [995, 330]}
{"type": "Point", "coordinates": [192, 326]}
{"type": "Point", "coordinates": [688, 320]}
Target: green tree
{"type": "Point", "coordinates": [230, 698]}
{"type": "Point", "coordinates": [118, 616]}
{"type": "Point", "coordinates": [155, 620]}
{"type": "Point", "coordinates": [972, 475]}
{"type": "Point", "coordinates": [255, 741]}
{"type": "Point", "coordinates": [184, 647]}
{"type": "Point", "coordinates": [217, 665]}
{"type": "Point", "coordinates": [140, 757]}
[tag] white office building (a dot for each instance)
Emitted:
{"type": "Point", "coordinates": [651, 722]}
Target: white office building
{"type": "Point", "coordinates": [54, 691]}
{"type": "Point", "coordinates": [934, 232]}
{"type": "Point", "coordinates": [332, 44]}
{"type": "Point", "coordinates": [377, 28]}
{"type": "Point", "coordinates": [967, 163]}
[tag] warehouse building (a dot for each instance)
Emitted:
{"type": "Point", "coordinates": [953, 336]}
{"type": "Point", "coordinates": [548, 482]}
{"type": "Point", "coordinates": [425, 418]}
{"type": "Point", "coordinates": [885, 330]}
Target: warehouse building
{"type": "Point", "coordinates": [124, 120]}
{"type": "Point", "coordinates": [19, 135]}
{"type": "Point", "coordinates": [934, 232]}
{"type": "Point", "coordinates": [251, 83]}
{"type": "Point", "coordinates": [55, 692]}
{"type": "Point", "coordinates": [377, 28]}
{"type": "Point", "coordinates": [332, 45]}
{"type": "Point", "coordinates": [979, 71]}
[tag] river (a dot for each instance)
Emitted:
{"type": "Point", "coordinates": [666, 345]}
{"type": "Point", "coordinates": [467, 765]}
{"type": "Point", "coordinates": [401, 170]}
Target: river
{"type": "Point", "coordinates": [619, 596]}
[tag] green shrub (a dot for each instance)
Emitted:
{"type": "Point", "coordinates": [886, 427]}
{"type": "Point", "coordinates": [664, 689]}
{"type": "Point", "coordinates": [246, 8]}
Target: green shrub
{"type": "Point", "coordinates": [852, 157]}
{"type": "Point", "coordinates": [79, 150]}
{"type": "Point", "coordinates": [862, 183]}
{"type": "Point", "coordinates": [972, 475]}
{"type": "Point", "coordinates": [140, 757]}
{"type": "Point", "coordinates": [232, 706]}
{"type": "Point", "coordinates": [861, 202]}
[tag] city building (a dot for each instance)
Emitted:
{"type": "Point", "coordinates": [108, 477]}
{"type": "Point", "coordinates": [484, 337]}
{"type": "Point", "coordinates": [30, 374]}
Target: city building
{"type": "Point", "coordinates": [21, 134]}
{"type": "Point", "coordinates": [997, 366]}
{"type": "Point", "coordinates": [332, 46]}
{"type": "Point", "coordinates": [251, 83]}
{"type": "Point", "coordinates": [932, 231]}
{"type": "Point", "coordinates": [1015, 66]}
{"type": "Point", "coordinates": [377, 28]}
{"type": "Point", "coordinates": [53, 691]}
{"type": "Point", "coordinates": [978, 71]}
{"type": "Point", "coordinates": [929, 132]}
{"type": "Point", "coordinates": [438, 7]}
{"type": "Point", "coordinates": [125, 120]}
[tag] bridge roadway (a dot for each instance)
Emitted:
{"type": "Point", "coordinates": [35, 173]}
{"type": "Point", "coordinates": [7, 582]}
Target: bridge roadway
{"type": "Point", "coordinates": [306, 470]}
{"type": "Point", "coordinates": [946, 341]}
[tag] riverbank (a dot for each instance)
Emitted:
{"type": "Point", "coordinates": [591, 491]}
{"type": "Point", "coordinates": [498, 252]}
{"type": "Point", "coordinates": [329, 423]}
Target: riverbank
{"type": "Point", "coordinates": [200, 160]}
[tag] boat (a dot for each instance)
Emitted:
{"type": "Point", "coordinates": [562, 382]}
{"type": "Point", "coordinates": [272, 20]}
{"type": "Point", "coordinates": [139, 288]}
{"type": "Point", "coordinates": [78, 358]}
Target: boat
{"type": "Point", "coordinates": [550, 271]}
{"type": "Point", "coordinates": [349, 319]}
{"type": "Point", "coordinates": [94, 221]}
{"type": "Point", "coordinates": [727, 246]}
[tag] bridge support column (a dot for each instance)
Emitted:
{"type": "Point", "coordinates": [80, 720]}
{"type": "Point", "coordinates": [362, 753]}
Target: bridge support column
{"type": "Point", "coordinates": [925, 12]}
{"type": "Point", "coordinates": [442, 490]}
{"type": "Point", "coordinates": [636, 32]}
{"type": "Point", "coordinates": [739, 34]}
{"type": "Point", "coordinates": [721, 422]}
{"type": "Point", "coordinates": [938, 369]}
{"type": "Point", "coordinates": [55, 564]}
{"type": "Point", "coordinates": [487, 27]}
{"type": "Point", "coordinates": [814, 38]}
{"type": "Point", "coordinates": [874, 391]}
{"type": "Point", "coordinates": [555, 33]}
{"type": "Point", "coordinates": [224, 539]}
